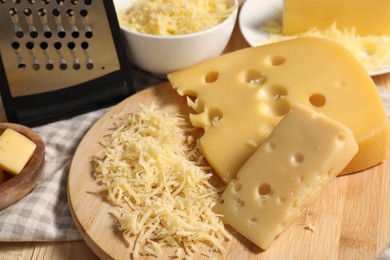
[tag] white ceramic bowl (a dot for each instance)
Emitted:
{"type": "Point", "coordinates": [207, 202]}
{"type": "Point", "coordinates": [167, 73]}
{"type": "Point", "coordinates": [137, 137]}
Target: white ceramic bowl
{"type": "Point", "coordinates": [165, 54]}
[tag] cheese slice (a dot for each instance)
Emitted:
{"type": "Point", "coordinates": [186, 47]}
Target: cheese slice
{"type": "Point", "coordinates": [241, 96]}
{"type": "Point", "coordinates": [305, 151]}
{"type": "Point", "coordinates": [367, 17]}
{"type": "Point", "coordinates": [15, 151]}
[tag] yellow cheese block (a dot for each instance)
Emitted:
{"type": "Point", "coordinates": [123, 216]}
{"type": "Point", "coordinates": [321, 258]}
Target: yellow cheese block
{"type": "Point", "coordinates": [241, 96]}
{"type": "Point", "coordinates": [305, 151]}
{"type": "Point", "coordinates": [15, 151]}
{"type": "Point", "coordinates": [366, 16]}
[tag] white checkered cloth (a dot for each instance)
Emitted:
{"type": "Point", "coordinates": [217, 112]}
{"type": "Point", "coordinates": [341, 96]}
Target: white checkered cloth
{"type": "Point", "coordinates": [43, 215]}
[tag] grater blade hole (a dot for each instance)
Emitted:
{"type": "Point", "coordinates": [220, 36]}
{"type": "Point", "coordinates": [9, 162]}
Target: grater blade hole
{"type": "Point", "coordinates": [71, 45]}
{"type": "Point", "coordinates": [90, 65]}
{"type": "Point", "coordinates": [46, 2]}
{"type": "Point", "coordinates": [17, 1]}
{"type": "Point", "coordinates": [76, 66]}
{"type": "Point", "coordinates": [47, 34]}
{"type": "Point", "coordinates": [61, 34]}
{"type": "Point", "coordinates": [44, 45]}
{"type": "Point", "coordinates": [27, 12]}
{"type": "Point", "coordinates": [12, 12]}
{"type": "Point", "coordinates": [89, 34]}
{"type": "Point", "coordinates": [58, 45]}
{"type": "Point", "coordinates": [49, 66]}
{"type": "Point", "coordinates": [33, 34]}
{"type": "Point", "coordinates": [19, 34]}
{"type": "Point", "coordinates": [74, 2]}
{"type": "Point", "coordinates": [85, 45]}
{"type": "Point", "coordinates": [63, 66]}
{"type": "Point", "coordinates": [30, 45]}
{"type": "Point", "coordinates": [36, 66]}
{"type": "Point", "coordinates": [56, 12]}
{"type": "Point", "coordinates": [21, 66]}
{"type": "Point", "coordinates": [60, 2]}
{"type": "Point", "coordinates": [42, 12]}
{"type": "Point", "coordinates": [15, 45]}
{"type": "Point", "coordinates": [87, 2]}
{"type": "Point", "coordinates": [75, 34]}
{"type": "Point", "coordinates": [31, 1]}
{"type": "Point", "coordinates": [70, 12]}
{"type": "Point", "coordinates": [84, 13]}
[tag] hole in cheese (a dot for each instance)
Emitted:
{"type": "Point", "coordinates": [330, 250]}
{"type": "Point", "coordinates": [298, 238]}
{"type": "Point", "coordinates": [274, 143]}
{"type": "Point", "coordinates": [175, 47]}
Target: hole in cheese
{"type": "Point", "coordinates": [278, 107]}
{"type": "Point", "coordinates": [211, 76]}
{"type": "Point", "coordinates": [341, 138]}
{"type": "Point", "coordinates": [270, 146]}
{"type": "Point", "coordinates": [274, 92]}
{"type": "Point", "coordinates": [340, 84]}
{"type": "Point", "coordinates": [275, 60]}
{"type": "Point", "coordinates": [255, 77]}
{"type": "Point", "coordinates": [239, 203]}
{"type": "Point", "coordinates": [237, 187]}
{"type": "Point", "coordinates": [297, 158]}
{"type": "Point", "coordinates": [265, 189]}
{"type": "Point", "coordinates": [281, 199]}
{"type": "Point", "coordinates": [317, 100]}
{"type": "Point", "coordinates": [253, 219]}
{"type": "Point", "coordinates": [215, 115]}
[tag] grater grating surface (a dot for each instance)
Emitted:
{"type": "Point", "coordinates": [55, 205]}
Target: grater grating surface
{"type": "Point", "coordinates": [47, 47]}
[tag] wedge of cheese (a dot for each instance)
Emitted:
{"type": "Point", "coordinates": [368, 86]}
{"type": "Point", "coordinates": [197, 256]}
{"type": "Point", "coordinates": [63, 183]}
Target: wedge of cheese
{"type": "Point", "coordinates": [305, 151]}
{"type": "Point", "coordinates": [368, 17]}
{"type": "Point", "coordinates": [15, 151]}
{"type": "Point", "coordinates": [241, 96]}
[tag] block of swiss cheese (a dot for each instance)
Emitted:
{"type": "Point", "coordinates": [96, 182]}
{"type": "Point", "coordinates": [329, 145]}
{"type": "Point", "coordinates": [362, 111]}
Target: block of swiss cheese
{"type": "Point", "coordinates": [304, 152]}
{"type": "Point", "coordinates": [367, 17]}
{"type": "Point", "coordinates": [241, 96]}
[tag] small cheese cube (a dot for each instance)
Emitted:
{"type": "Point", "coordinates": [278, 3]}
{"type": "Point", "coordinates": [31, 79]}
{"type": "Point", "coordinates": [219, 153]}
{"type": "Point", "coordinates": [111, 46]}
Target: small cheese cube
{"type": "Point", "coordinates": [304, 152]}
{"type": "Point", "coordinates": [15, 151]}
{"type": "Point", "coordinates": [366, 16]}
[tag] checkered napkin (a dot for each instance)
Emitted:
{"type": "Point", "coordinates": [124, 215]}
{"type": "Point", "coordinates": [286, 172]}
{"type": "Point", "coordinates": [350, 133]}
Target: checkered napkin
{"type": "Point", "coordinates": [43, 215]}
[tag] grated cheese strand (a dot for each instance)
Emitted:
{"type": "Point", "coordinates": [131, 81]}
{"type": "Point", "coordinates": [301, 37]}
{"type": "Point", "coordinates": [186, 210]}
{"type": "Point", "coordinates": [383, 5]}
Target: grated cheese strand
{"type": "Point", "coordinates": [175, 17]}
{"type": "Point", "coordinates": [148, 169]}
{"type": "Point", "coordinates": [372, 51]}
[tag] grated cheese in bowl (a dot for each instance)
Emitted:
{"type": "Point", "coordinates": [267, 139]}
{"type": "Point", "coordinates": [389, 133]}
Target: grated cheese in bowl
{"type": "Point", "coordinates": [372, 51]}
{"type": "Point", "coordinates": [175, 17]}
{"type": "Point", "coordinates": [152, 168]}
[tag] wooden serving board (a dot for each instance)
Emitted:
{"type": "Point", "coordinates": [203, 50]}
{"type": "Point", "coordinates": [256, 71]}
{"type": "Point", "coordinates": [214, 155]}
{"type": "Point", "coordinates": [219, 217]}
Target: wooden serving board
{"type": "Point", "coordinates": [351, 218]}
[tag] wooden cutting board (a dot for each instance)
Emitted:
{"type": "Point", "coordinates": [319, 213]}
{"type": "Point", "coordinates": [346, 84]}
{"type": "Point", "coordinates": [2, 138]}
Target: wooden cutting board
{"type": "Point", "coordinates": [350, 220]}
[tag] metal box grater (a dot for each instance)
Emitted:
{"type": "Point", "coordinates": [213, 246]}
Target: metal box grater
{"type": "Point", "coordinates": [60, 58]}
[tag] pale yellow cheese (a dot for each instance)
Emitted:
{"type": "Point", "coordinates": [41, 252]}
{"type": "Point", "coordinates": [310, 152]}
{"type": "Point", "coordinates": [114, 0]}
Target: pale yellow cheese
{"type": "Point", "coordinates": [366, 16]}
{"type": "Point", "coordinates": [154, 171]}
{"type": "Point", "coordinates": [241, 96]}
{"type": "Point", "coordinates": [15, 151]}
{"type": "Point", "coordinates": [305, 151]}
{"type": "Point", "coordinates": [175, 17]}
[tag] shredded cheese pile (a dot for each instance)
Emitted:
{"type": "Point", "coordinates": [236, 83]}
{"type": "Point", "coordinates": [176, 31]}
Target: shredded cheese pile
{"type": "Point", "coordinates": [153, 169]}
{"type": "Point", "coordinates": [372, 51]}
{"type": "Point", "coordinates": [175, 17]}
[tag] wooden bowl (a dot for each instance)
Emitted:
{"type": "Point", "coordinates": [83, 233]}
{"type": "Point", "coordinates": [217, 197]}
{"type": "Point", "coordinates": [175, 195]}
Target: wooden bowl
{"type": "Point", "coordinates": [18, 186]}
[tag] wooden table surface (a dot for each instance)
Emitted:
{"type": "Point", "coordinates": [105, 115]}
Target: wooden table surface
{"type": "Point", "coordinates": [78, 249]}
